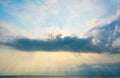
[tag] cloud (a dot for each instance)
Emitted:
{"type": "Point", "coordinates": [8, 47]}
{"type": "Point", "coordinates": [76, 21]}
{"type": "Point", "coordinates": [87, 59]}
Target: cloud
{"type": "Point", "coordinates": [100, 39]}
{"type": "Point", "coordinates": [72, 44]}
{"type": "Point", "coordinates": [107, 33]}
{"type": "Point", "coordinates": [37, 15]}
{"type": "Point", "coordinates": [24, 50]}
{"type": "Point", "coordinates": [103, 21]}
{"type": "Point", "coordinates": [105, 69]}
{"type": "Point", "coordinates": [7, 33]}
{"type": "Point", "coordinates": [116, 43]}
{"type": "Point", "coordinates": [65, 44]}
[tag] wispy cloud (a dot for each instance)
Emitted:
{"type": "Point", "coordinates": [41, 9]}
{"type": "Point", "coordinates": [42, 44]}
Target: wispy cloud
{"type": "Point", "coordinates": [35, 17]}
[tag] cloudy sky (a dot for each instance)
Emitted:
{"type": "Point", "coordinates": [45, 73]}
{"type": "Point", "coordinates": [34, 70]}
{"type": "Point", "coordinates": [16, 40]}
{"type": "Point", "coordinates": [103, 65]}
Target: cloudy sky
{"type": "Point", "coordinates": [60, 37]}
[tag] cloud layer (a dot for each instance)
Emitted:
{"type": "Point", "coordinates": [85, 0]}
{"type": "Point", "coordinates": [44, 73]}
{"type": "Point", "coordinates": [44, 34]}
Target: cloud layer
{"type": "Point", "coordinates": [105, 69]}
{"type": "Point", "coordinates": [101, 39]}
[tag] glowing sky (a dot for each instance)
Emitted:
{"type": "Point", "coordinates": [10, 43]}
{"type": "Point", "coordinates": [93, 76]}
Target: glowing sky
{"type": "Point", "coordinates": [62, 63]}
{"type": "Point", "coordinates": [59, 37]}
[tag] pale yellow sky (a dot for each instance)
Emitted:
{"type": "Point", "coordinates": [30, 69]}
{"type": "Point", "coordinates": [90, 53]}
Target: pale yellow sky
{"type": "Point", "coordinates": [21, 62]}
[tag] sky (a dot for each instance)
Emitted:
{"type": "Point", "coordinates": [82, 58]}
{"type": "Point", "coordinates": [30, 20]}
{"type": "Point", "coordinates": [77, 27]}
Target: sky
{"type": "Point", "coordinates": [44, 17]}
{"type": "Point", "coordinates": [60, 37]}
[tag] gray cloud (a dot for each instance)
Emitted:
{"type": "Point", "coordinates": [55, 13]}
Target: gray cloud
{"type": "Point", "coordinates": [73, 44]}
{"type": "Point", "coordinates": [66, 44]}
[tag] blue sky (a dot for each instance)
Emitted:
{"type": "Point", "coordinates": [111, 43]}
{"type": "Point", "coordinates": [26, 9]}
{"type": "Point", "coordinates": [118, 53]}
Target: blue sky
{"type": "Point", "coordinates": [60, 37]}
{"type": "Point", "coordinates": [49, 17]}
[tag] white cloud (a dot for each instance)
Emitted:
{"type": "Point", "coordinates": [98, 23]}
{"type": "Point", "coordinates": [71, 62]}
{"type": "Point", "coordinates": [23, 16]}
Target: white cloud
{"type": "Point", "coordinates": [116, 43]}
{"type": "Point", "coordinates": [98, 22]}
{"type": "Point", "coordinates": [7, 33]}
{"type": "Point", "coordinates": [95, 41]}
